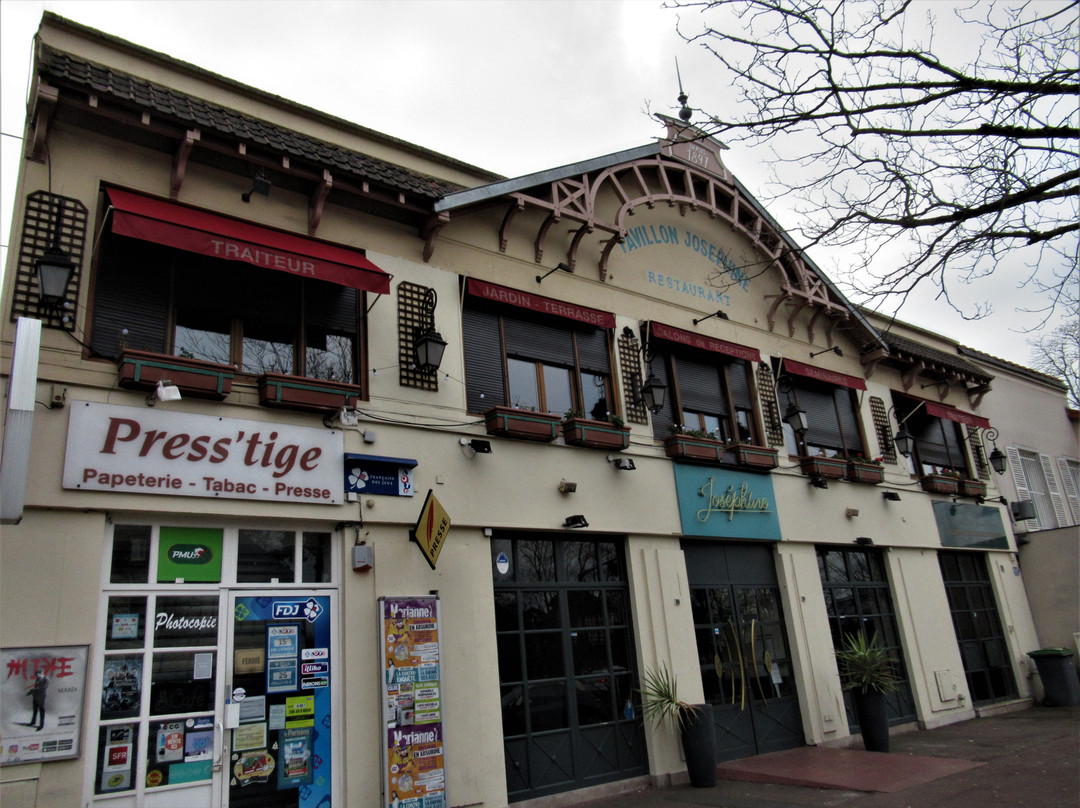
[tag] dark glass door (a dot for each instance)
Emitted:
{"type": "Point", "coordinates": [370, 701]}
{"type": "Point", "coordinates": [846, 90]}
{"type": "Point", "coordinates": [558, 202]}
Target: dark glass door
{"type": "Point", "coordinates": [746, 669]}
{"type": "Point", "coordinates": [566, 665]}
{"type": "Point", "coordinates": [978, 627]}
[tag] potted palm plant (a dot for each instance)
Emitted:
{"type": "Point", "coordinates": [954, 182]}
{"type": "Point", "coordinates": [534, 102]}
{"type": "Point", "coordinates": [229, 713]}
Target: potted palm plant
{"type": "Point", "coordinates": [661, 704]}
{"type": "Point", "coordinates": [869, 673]}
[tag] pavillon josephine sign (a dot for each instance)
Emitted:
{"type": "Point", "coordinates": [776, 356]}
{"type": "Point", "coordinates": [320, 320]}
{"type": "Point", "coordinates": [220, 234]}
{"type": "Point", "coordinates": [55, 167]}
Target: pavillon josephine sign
{"type": "Point", "coordinates": [142, 451]}
{"type": "Point", "coordinates": [721, 503]}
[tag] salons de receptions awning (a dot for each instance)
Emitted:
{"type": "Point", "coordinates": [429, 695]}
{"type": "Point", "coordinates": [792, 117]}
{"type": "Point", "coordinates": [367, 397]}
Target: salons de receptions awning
{"type": "Point", "coordinates": [205, 233]}
{"type": "Point", "coordinates": [721, 503]}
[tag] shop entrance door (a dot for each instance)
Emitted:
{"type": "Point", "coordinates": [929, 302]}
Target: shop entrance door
{"type": "Point", "coordinates": [276, 747]}
{"type": "Point", "coordinates": [746, 670]}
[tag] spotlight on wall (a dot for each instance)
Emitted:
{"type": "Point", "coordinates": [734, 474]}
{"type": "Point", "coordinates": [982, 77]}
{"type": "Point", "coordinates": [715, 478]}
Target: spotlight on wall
{"type": "Point", "coordinates": [819, 482]}
{"type": "Point", "coordinates": [864, 541]}
{"type": "Point", "coordinates": [474, 446]}
{"type": "Point", "coordinates": [890, 496]}
{"type": "Point", "coordinates": [261, 186]}
{"type": "Point", "coordinates": [834, 349]}
{"type": "Point", "coordinates": [575, 522]}
{"type": "Point", "coordinates": [165, 391]}
{"type": "Point", "coordinates": [563, 266]}
{"type": "Point", "coordinates": [567, 487]}
{"type": "Point", "coordinates": [851, 513]}
{"type": "Point", "coordinates": [621, 463]}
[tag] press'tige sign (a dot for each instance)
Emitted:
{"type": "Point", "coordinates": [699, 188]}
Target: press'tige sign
{"type": "Point", "coordinates": [144, 451]}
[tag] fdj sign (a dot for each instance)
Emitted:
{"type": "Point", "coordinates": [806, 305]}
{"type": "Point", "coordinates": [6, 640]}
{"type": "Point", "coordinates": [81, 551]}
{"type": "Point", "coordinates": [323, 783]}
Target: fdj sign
{"type": "Point", "coordinates": [286, 609]}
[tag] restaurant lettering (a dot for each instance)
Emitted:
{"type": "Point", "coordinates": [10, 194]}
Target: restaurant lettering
{"type": "Point", "coordinates": [730, 501]}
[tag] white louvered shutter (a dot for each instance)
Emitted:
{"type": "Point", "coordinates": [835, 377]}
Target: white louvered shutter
{"type": "Point", "coordinates": [1020, 481]}
{"type": "Point", "coordinates": [1068, 485]}
{"type": "Point", "coordinates": [1053, 490]}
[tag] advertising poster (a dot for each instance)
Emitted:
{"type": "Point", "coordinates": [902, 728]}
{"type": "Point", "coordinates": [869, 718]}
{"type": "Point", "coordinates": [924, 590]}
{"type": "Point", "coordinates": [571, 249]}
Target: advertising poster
{"type": "Point", "coordinates": [121, 686]}
{"type": "Point", "coordinates": [117, 758]}
{"type": "Point", "coordinates": [41, 703]}
{"type": "Point", "coordinates": [415, 774]}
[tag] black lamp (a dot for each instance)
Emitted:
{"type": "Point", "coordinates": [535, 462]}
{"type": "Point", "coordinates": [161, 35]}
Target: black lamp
{"type": "Point", "coordinates": [998, 460]}
{"type": "Point", "coordinates": [54, 270]}
{"type": "Point", "coordinates": [903, 441]}
{"type": "Point", "coordinates": [796, 419]}
{"type": "Point", "coordinates": [653, 393]}
{"type": "Point", "coordinates": [429, 344]}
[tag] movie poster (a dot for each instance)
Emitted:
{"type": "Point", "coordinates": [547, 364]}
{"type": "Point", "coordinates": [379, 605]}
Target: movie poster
{"type": "Point", "coordinates": [41, 703]}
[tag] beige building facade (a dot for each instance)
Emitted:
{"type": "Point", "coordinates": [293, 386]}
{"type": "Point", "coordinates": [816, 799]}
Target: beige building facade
{"type": "Point", "coordinates": [266, 556]}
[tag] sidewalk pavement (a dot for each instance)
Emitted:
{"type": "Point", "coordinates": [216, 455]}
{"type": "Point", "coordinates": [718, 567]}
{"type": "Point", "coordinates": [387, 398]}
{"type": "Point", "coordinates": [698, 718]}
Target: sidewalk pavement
{"type": "Point", "coordinates": [1026, 758]}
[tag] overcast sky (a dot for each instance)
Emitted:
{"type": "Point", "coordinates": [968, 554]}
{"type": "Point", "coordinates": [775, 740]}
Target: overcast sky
{"type": "Point", "coordinates": [514, 87]}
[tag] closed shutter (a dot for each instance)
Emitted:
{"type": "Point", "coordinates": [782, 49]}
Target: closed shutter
{"type": "Point", "coordinates": [1068, 485]}
{"type": "Point", "coordinates": [538, 341]}
{"type": "Point", "coordinates": [1053, 491]}
{"type": "Point", "coordinates": [740, 385]}
{"type": "Point", "coordinates": [593, 354]}
{"type": "Point", "coordinates": [849, 421]}
{"type": "Point", "coordinates": [484, 383]}
{"type": "Point", "coordinates": [823, 425]}
{"type": "Point", "coordinates": [131, 301]}
{"type": "Point", "coordinates": [1016, 466]}
{"type": "Point", "coordinates": [699, 387]}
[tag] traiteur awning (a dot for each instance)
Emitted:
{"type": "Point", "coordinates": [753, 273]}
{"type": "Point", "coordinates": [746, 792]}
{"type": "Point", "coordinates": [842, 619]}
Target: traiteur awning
{"type": "Point", "coordinates": [205, 233]}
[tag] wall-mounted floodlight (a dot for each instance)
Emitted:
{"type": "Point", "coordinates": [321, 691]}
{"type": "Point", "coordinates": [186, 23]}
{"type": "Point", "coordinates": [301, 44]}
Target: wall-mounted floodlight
{"type": "Point", "coordinates": [890, 496]}
{"type": "Point", "coordinates": [165, 391]}
{"type": "Point", "coordinates": [471, 447]}
{"type": "Point", "coordinates": [260, 186]}
{"type": "Point", "coordinates": [864, 541]}
{"type": "Point", "coordinates": [834, 349]}
{"type": "Point", "coordinates": [621, 463]}
{"type": "Point", "coordinates": [560, 266]}
{"type": "Point", "coordinates": [819, 482]}
{"type": "Point", "coordinates": [575, 522]}
{"type": "Point", "coordinates": [567, 487]}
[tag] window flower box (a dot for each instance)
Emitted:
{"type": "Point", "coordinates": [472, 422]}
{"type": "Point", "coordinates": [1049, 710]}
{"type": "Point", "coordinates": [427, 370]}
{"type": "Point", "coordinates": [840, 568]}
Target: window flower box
{"type": "Point", "coordinates": [758, 456]}
{"type": "Point", "coordinates": [309, 395]}
{"type": "Point", "coordinates": [142, 370]}
{"type": "Point", "coordinates": [940, 483]}
{"type": "Point", "coordinates": [510, 422]}
{"type": "Point", "coordinates": [831, 468]}
{"type": "Point", "coordinates": [694, 449]}
{"type": "Point", "coordinates": [595, 434]}
{"type": "Point", "coordinates": [861, 471]}
{"type": "Point", "coordinates": [972, 488]}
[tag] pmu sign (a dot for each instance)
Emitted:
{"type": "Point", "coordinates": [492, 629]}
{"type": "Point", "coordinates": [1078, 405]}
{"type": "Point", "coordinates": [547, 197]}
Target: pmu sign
{"type": "Point", "coordinates": [431, 529]}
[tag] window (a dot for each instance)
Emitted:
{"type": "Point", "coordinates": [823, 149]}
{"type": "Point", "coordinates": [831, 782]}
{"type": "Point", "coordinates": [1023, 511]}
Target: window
{"type": "Point", "coordinates": [1033, 475]}
{"type": "Point", "coordinates": [707, 391]}
{"type": "Point", "coordinates": [939, 443]}
{"type": "Point", "coordinates": [517, 358]}
{"type": "Point", "coordinates": [831, 417]}
{"type": "Point", "coordinates": [155, 298]}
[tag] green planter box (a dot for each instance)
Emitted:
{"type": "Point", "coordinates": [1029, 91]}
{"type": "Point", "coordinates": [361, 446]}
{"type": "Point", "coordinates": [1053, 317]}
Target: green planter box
{"type": "Point", "coordinates": [595, 434]}
{"type": "Point", "coordinates": [522, 424]}
{"type": "Point", "coordinates": [831, 468]}
{"type": "Point", "coordinates": [868, 473]}
{"type": "Point", "coordinates": [761, 457]}
{"type": "Point", "coordinates": [307, 395]}
{"type": "Point", "coordinates": [695, 450]}
{"type": "Point", "coordinates": [972, 488]}
{"type": "Point", "coordinates": [142, 370]}
{"type": "Point", "coordinates": [940, 484]}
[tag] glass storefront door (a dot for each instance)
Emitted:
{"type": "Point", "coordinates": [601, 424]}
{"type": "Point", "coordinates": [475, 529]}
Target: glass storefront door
{"type": "Point", "coordinates": [276, 750]}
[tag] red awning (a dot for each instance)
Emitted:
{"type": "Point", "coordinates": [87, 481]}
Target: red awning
{"type": "Point", "coordinates": [197, 231]}
{"type": "Point", "coordinates": [822, 375]}
{"type": "Point", "coordinates": [672, 334]}
{"type": "Point", "coordinates": [527, 300]}
{"type": "Point", "coordinates": [953, 414]}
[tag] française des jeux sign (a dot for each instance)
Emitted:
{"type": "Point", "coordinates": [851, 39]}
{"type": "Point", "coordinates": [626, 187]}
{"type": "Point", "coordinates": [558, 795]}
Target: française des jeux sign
{"type": "Point", "coordinates": [138, 450]}
{"type": "Point", "coordinates": [726, 504]}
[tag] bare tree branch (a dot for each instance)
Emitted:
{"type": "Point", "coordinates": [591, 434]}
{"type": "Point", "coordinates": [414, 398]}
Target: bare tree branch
{"type": "Point", "coordinates": [969, 157]}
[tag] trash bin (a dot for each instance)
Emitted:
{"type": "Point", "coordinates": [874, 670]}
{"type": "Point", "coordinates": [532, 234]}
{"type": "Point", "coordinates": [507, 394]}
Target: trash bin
{"type": "Point", "coordinates": [1060, 683]}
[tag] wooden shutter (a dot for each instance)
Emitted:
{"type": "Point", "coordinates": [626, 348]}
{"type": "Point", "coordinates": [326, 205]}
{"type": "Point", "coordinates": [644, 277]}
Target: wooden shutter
{"type": "Point", "coordinates": [1068, 486]}
{"type": "Point", "coordinates": [1016, 466]}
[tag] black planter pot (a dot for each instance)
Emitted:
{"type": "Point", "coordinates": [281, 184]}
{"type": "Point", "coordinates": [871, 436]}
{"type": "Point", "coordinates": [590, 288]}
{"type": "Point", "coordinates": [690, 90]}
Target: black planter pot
{"type": "Point", "coordinates": [872, 713]}
{"type": "Point", "coordinates": [699, 746]}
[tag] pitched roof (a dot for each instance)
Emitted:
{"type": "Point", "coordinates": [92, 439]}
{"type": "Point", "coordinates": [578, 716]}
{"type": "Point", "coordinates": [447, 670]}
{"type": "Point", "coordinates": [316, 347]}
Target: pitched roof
{"type": "Point", "coordinates": [191, 111]}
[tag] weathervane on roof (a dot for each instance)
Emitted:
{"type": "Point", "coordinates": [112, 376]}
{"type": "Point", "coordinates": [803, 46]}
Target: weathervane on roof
{"type": "Point", "coordinates": [684, 112]}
